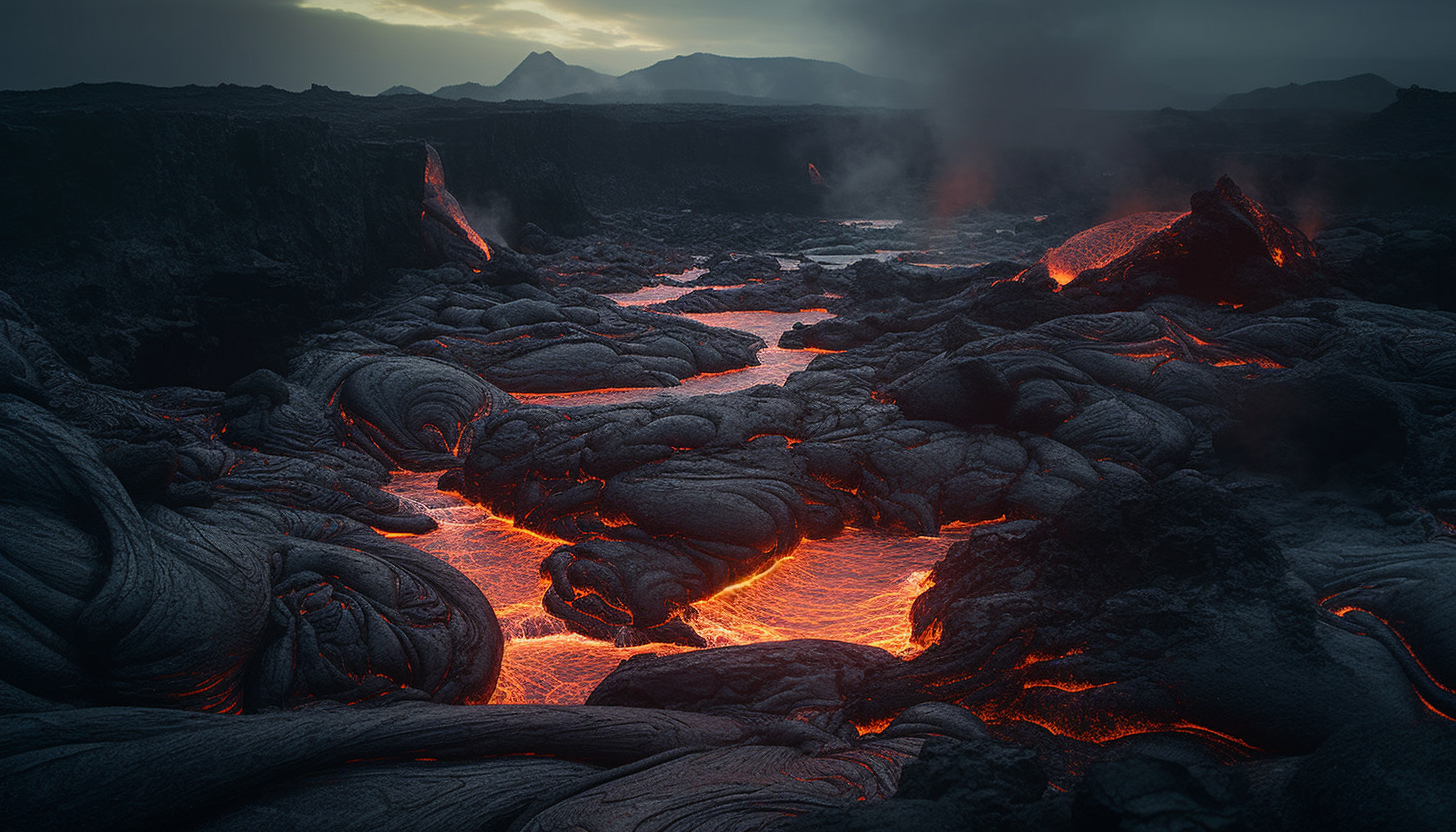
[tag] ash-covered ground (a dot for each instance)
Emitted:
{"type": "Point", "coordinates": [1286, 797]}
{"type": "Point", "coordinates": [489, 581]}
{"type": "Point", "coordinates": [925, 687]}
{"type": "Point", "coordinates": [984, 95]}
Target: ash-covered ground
{"type": "Point", "coordinates": [1197, 465]}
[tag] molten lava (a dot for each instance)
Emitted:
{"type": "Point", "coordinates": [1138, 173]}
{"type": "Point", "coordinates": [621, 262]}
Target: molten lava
{"type": "Point", "coordinates": [857, 587]}
{"type": "Point", "coordinates": [441, 206]}
{"type": "Point", "coordinates": [774, 363]}
{"type": "Point", "coordinates": [1425, 684]}
{"type": "Point", "coordinates": [1179, 344]}
{"type": "Point", "coordinates": [1228, 249]}
{"type": "Point", "coordinates": [1100, 245]}
{"type": "Point", "coordinates": [1285, 245]}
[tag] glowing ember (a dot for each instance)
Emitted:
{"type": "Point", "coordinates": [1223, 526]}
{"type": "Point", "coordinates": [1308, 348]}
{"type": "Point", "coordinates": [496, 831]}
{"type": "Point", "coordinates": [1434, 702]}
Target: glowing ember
{"type": "Point", "coordinates": [1285, 245]}
{"type": "Point", "coordinates": [857, 588]}
{"type": "Point", "coordinates": [1098, 246]}
{"type": "Point", "coordinates": [1095, 726]}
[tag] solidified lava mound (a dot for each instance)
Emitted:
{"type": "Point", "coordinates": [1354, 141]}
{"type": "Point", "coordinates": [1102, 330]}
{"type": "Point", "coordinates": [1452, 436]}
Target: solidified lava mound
{"type": "Point", "coordinates": [1227, 249]}
{"type": "Point", "coordinates": [1096, 247]}
{"type": "Point", "coordinates": [1205, 580]}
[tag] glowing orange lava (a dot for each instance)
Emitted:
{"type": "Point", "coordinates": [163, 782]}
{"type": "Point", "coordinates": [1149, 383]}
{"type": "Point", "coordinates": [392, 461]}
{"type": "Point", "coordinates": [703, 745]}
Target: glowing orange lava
{"type": "Point", "coordinates": [775, 363]}
{"type": "Point", "coordinates": [1096, 726]}
{"type": "Point", "coordinates": [1178, 343]}
{"type": "Point", "coordinates": [857, 588]}
{"type": "Point", "coordinates": [439, 200]}
{"type": "Point", "coordinates": [1098, 246]}
{"type": "Point", "coordinates": [661, 294]}
{"type": "Point", "coordinates": [1344, 611]}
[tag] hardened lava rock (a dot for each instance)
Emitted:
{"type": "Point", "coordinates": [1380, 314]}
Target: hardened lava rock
{"type": "Point", "coordinates": [152, 564]}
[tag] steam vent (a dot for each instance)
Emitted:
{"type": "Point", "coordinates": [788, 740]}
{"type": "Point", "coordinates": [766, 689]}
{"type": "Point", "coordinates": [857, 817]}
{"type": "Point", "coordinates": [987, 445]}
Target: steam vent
{"type": "Point", "coordinates": [408, 464]}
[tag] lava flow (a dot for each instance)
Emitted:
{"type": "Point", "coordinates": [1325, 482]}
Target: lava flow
{"type": "Point", "coordinates": [1100, 245]}
{"type": "Point", "coordinates": [774, 363]}
{"type": "Point", "coordinates": [857, 587]}
{"type": "Point", "coordinates": [441, 206]}
{"type": "Point", "coordinates": [1424, 683]}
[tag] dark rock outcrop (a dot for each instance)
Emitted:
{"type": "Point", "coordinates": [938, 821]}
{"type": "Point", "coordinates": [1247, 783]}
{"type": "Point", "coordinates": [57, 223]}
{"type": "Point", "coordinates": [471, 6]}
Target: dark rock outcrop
{"type": "Point", "coordinates": [162, 567]}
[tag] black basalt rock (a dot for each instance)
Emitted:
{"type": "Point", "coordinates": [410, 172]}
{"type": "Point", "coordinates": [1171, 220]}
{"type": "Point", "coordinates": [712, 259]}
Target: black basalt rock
{"type": "Point", "coordinates": [807, 677]}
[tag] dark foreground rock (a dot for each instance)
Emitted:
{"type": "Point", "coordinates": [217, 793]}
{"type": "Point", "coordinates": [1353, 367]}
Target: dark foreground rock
{"type": "Point", "coordinates": [164, 567]}
{"type": "Point", "coordinates": [417, 765]}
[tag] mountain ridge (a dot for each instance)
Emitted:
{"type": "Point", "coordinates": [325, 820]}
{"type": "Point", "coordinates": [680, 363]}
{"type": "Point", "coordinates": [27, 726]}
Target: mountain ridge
{"type": "Point", "coordinates": [692, 78]}
{"type": "Point", "coordinates": [705, 78]}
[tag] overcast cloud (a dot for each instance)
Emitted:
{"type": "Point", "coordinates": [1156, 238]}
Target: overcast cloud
{"type": "Point", "coordinates": [1045, 48]}
{"type": "Point", "coordinates": [1061, 47]}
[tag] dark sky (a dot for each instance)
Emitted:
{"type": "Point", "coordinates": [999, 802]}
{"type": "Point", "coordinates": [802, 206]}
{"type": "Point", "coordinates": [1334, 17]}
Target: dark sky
{"type": "Point", "coordinates": [1020, 47]}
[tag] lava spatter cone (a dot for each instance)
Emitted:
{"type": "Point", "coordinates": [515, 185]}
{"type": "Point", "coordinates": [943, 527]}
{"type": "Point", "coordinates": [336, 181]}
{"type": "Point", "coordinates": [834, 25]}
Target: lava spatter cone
{"type": "Point", "coordinates": [1227, 249]}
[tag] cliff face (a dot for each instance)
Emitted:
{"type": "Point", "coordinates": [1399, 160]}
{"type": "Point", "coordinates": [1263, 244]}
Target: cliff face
{"type": "Point", "coordinates": [162, 247]}
{"type": "Point", "coordinates": [189, 235]}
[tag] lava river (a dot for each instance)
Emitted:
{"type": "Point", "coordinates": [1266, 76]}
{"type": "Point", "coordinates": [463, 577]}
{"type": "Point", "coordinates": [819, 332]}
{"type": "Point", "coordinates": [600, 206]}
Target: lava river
{"type": "Point", "coordinates": [857, 587]}
{"type": "Point", "coordinates": [775, 363]}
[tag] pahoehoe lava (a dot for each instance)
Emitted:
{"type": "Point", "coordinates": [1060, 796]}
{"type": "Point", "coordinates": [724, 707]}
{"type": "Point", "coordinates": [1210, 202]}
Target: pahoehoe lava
{"type": "Point", "coordinates": [1201, 467]}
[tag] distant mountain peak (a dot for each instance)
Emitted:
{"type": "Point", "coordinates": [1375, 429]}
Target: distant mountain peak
{"type": "Point", "coordinates": [541, 75]}
{"type": "Point", "coordinates": [770, 81]}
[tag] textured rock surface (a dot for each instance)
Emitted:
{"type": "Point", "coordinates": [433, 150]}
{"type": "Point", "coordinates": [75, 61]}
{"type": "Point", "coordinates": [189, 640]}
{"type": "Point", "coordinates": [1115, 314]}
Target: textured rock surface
{"type": "Point", "coordinates": [151, 563]}
{"type": "Point", "coordinates": [541, 767]}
